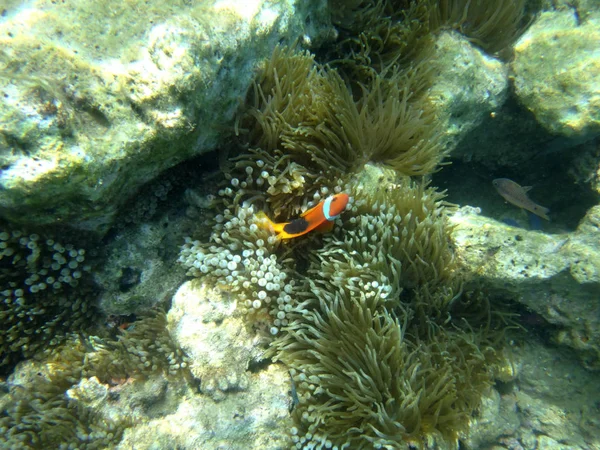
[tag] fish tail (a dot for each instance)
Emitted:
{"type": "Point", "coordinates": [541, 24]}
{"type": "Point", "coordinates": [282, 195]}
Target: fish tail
{"type": "Point", "coordinates": [543, 213]}
{"type": "Point", "coordinates": [263, 221]}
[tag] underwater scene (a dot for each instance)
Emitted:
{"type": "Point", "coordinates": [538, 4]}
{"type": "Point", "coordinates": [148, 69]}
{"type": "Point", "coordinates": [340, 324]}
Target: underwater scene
{"type": "Point", "coordinates": [322, 224]}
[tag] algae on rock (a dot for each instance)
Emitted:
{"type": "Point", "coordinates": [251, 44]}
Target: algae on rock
{"type": "Point", "coordinates": [556, 70]}
{"type": "Point", "coordinates": [94, 108]}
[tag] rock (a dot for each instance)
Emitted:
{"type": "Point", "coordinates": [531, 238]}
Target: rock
{"type": "Point", "coordinates": [99, 98]}
{"type": "Point", "coordinates": [139, 258]}
{"type": "Point", "coordinates": [556, 71]}
{"type": "Point", "coordinates": [498, 416]}
{"type": "Point", "coordinates": [556, 399]}
{"type": "Point", "coordinates": [204, 322]}
{"type": "Point", "coordinates": [471, 85]}
{"type": "Point", "coordinates": [555, 276]}
{"type": "Point", "coordinates": [236, 408]}
{"type": "Point", "coordinates": [88, 391]}
{"type": "Point", "coordinates": [255, 419]}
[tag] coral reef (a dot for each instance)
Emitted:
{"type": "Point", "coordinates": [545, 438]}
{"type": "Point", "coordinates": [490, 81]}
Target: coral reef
{"type": "Point", "coordinates": [395, 330]}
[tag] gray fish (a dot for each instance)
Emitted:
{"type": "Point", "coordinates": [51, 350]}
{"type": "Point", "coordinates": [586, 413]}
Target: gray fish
{"type": "Point", "coordinates": [517, 195]}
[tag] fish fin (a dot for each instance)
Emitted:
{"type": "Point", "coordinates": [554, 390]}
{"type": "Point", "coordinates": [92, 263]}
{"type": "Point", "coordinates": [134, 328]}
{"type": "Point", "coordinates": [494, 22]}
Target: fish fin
{"type": "Point", "coordinates": [527, 188]}
{"type": "Point", "coordinates": [325, 227]}
{"type": "Point", "coordinates": [309, 210]}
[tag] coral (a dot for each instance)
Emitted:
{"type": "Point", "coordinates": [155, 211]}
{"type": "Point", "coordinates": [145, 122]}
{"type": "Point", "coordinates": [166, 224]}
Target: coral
{"type": "Point", "coordinates": [38, 303]}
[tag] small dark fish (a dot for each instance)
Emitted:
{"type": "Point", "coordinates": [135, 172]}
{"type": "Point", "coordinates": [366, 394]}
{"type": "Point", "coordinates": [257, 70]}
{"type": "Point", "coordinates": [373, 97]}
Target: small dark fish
{"type": "Point", "coordinates": [512, 222]}
{"type": "Point", "coordinates": [517, 195]}
{"type": "Point", "coordinates": [535, 223]}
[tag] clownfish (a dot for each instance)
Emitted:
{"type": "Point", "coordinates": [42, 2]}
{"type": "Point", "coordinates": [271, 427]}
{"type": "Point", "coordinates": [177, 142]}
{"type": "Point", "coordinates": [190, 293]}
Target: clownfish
{"type": "Point", "coordinates": [320, 218]}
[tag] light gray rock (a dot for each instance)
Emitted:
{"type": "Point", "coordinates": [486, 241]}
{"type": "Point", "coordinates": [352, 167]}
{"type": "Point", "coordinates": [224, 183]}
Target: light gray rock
{"type": "Point", "coordinates": [100, 97]}
{"type": "Point", "coordinates": [221, 348]}
{"type": "Point", "coordinates": [557, 71]}
{"type": "Point", "coordinates": [556, 399]}
{"type": "Point", "coordinates": [256, 419]}
{"type": "Point", "coordinates": [470, 85]}
{"type": "Point", "coordinates": [555, 276]}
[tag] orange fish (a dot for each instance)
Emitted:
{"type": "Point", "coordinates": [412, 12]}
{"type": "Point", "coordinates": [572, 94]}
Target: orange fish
{"type": "Point", "coordinates": [318, 218]}
{"type": "Point", "coordinates": [517, 195]}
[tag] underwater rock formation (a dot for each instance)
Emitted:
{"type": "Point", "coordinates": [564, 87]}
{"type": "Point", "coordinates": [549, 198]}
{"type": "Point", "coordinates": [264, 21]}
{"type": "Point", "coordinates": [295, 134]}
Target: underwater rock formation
{"type": "Point", "coordinates": [68, 395]}
{"type": "Point", "coordinates": [100, 98]}
{"type": "Point", "coordinates": [251, 419]}
{"type": "Point", "coordinates": [556, 68]}
{"type": "Point", "coordinates": [470, 86]}
{"type": "Point", "coordinates": [214, 335]}
{"type": "Point", "coordinates": [555, 276]}
{"type": "Point", "coordinates": [547, 401]}
{"type": "Point", "coordinates": [138, 269]}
